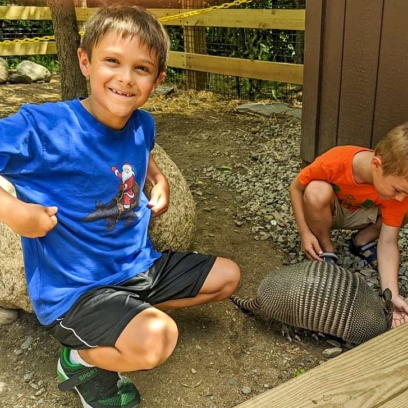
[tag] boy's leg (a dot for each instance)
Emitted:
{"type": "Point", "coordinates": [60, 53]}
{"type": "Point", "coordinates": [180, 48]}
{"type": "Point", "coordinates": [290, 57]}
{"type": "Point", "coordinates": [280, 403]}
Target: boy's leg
{"type": "Point", "coordinates": [150, 338]}
{"type": "Point", "coordinates": [221, 282]}
{"type": "Point", "coordinates": [113, 330]}
{"type": "Point", "coordinates": [368, 234]}
{"type": "Point", "coordinates": [147, 341]}
{"type": "Point", "coordinates": [130, 334]}
{"type": "Point", "coordinates": [318, 207]}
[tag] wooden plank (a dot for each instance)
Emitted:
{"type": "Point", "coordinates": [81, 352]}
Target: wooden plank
{"type": "Point", "coordinates": [362, 32]}
{"type": "Point", "coordinates": [262, 19]}
{"type": "Point", "coordinates": [177, 60]}
{"type": "Point", "coordinates": [269, 71]}
{"type": "Point", "coordinates": [331, 72]}
{"type": "Point", "coordinates": [392, 84]}
{"type": "Point", "coordinates": [279, 19]}
{"type": "Point", "coordinates": [399, 401]}
{"type": "Point", "coordinates": [38, 13]}
{"type": "Point", "coordinates": [372, 375]}
{"type": "Point", "coordinates": [311, 87]}
{"type": "Point", "coordinates": [30, 48]}
{"type": "Point", "coordinates": [24, 13]}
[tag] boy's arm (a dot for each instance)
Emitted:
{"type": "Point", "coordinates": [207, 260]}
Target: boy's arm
{"type": "Point", "coordinates": [310, 244]}
{"type": "Point", "coordinates": [160, 194]}
{"type": "Point", "coordinates": [28, 220]}
{"type": "Point", "coordinates": [388, 265]}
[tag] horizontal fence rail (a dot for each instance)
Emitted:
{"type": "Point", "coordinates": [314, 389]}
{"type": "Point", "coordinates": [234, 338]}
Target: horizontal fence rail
{"type": "Point", "coordinates": [264, 19]}
{"type": "Point", "coordinates": [280, 19]}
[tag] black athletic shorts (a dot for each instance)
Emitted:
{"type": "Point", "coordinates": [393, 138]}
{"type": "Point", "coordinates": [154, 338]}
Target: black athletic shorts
{"type": "Point", "coordinates": [100, 315]}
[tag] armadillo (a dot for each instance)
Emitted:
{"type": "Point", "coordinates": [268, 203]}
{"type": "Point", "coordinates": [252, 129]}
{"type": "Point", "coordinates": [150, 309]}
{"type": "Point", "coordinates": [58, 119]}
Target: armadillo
{"type": "Point", "coordinates": [322, 297]}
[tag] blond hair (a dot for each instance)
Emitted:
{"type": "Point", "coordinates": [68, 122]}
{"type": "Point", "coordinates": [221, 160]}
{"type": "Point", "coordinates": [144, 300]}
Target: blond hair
{"type": "Point", "coordinates": [393, 151]}
{"type": "Point", "coordinates": [127, 21]}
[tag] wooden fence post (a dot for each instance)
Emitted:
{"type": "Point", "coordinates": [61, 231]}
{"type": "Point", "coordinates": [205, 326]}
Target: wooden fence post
{"type": "Point", "coordinates": [195, 42]}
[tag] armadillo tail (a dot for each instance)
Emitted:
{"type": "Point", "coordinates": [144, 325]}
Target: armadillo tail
{"type": "Point", "coordinates": [251, 305]}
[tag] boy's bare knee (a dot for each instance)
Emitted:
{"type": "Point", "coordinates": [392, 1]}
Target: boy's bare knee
{"type": "Point", "coordinates": [318, 194]}
{"type": "Point", "coordinates": [160, 344]}
{"type": "Point", "coordinates": [149, 340]}
{"type": "Point", "coordinates": [231, 276]}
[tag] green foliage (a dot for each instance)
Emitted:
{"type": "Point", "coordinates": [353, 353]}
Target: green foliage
{"type": "Point", "coordinates": [300, 371]}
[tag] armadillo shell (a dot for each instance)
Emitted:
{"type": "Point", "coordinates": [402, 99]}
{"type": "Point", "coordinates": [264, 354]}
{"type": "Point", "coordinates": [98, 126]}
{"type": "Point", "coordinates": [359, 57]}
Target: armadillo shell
{"type": "Point", "coordinates": [326, 298]}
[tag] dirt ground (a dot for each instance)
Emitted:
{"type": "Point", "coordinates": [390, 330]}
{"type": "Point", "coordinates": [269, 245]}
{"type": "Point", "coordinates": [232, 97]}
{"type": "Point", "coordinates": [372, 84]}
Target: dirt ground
{"type": "Point", "coordinates": [224, 357]}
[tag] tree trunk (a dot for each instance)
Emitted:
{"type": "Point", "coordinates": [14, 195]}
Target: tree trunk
{"type": "Point", "coordinates": [73, 83]}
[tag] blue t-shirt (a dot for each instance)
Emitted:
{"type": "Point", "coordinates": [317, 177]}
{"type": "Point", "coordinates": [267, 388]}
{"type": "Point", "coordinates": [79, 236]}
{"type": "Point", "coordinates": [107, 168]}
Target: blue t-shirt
{"type": "Point", "coordinates": [57, 154]}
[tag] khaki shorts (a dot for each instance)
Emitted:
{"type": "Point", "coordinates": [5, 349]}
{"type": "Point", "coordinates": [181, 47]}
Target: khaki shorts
{"type": "Point", "coordinates": [353, 220]}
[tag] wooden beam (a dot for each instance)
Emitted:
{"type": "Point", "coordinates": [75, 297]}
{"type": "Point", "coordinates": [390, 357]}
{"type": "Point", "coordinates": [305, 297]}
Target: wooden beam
{"type": "Point", "coordinates": [38, 13]}
{"type": "Point", "coordinates": [269, 71]}
{"type": "Point", "coordinates": [24, 13]}
{"type": "Point", "coordinates": [30, 48]}
{"type": "Point", "coordinates": [262, 19]}
{"type": "Point", "coordinates": [371, 375]}
{"type": "Point", "coordinates": [313, 61]}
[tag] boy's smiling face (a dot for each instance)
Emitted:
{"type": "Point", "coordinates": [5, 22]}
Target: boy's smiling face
{"type": "Point", "coordinates": [123, 74]}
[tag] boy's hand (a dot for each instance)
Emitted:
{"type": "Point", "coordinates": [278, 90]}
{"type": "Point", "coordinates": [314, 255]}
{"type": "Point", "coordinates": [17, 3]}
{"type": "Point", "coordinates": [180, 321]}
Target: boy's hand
{"type": "Point", "coordinates": [400, 315]}
{"type": "Point", "coordinates": [159, 199]}
{"type": "Point", "coordinates": [311, 247]}
{"type": "Point", "coordinates": [33, 220]}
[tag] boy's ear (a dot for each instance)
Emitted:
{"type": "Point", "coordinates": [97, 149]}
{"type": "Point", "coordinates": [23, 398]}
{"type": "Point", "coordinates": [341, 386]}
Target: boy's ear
{"type": "Point", "coordinates": [158, 80]}
{"type": "Point", "coordinates": [376, 163]}
{"type": "Point", "coordinates": [83, 62]}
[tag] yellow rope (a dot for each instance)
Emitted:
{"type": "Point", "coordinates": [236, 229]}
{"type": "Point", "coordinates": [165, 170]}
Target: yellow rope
{"type": "Point", "coordinates": [162, 19]}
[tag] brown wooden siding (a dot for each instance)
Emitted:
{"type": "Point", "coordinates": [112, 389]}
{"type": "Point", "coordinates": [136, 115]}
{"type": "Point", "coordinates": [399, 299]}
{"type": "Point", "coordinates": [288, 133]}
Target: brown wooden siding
{"type": "Point", "coordinates": [355, 73]}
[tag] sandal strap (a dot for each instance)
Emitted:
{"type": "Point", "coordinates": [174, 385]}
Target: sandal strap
{"type": "Point", "coordinates": [366, 246]}
{"type": "Point", "coordinates": [368, 251]}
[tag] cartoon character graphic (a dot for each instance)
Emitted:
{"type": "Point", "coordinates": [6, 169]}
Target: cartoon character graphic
{"type": "Point", "coordinates": [127, 178]}
{"type": "Point", "coordinates": [122, 206]}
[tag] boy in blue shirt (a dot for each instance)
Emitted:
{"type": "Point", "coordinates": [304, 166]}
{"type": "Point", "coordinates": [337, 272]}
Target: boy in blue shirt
{"type": "Point", "coordinates": [79, 169]}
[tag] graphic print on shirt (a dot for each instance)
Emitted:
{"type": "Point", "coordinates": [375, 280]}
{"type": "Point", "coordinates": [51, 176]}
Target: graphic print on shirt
{"type": "Point", "coordinates": [123, 204]}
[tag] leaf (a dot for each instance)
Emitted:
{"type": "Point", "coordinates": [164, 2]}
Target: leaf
{"type": "Point", "coordinates": [300, 372]}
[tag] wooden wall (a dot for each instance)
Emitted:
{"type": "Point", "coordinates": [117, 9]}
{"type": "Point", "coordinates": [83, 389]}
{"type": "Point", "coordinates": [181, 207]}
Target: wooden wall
{"type": "Point", "coordinates": [355, 86]}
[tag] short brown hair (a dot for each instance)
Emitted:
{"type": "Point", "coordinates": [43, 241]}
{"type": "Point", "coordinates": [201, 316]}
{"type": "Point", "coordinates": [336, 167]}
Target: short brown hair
{"type": "Point", "coordinates": [127, 21]}
{"type": "Point", "coordinates": [393, 150]}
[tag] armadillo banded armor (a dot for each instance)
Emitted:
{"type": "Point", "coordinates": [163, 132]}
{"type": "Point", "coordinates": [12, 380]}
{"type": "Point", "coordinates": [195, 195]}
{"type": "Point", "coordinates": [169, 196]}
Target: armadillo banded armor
{"type": "Point", "coordinates": [322, 297]}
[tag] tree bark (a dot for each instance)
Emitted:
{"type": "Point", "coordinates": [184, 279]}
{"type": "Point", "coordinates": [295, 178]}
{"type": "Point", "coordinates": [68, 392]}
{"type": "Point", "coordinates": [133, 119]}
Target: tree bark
{"type": "Point", "coordinates": [73, 83]}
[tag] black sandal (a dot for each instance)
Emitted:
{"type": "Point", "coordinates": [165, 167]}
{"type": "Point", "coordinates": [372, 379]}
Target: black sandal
{"type": "Point", "coordinates": [368, 251]}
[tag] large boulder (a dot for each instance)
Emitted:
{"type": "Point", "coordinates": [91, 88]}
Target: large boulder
{"type": "Point", "coordinates": [34, 71]}
{"type": "Point", "coordinates": [173, 230]}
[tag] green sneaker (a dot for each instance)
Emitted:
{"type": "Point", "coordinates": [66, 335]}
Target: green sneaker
{"type": "Point", "coordinates": [97, 388]}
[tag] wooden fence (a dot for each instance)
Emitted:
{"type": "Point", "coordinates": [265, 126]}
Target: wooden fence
{"type": "Point", "coordinates": [188, 60]}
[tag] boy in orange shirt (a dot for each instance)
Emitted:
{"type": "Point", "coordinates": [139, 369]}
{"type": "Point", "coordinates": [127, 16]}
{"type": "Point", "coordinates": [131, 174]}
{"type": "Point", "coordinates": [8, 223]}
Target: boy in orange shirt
{"type": "Point", "coordinates": [356, 188]}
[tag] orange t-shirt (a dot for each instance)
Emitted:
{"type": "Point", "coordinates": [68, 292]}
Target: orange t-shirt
{"type": "Point", "coordinates": [336, 167]}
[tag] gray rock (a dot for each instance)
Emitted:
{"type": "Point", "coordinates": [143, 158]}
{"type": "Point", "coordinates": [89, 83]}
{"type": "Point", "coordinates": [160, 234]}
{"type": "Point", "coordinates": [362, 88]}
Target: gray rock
{"type": "Point", "coordinates": [333, 352]}
{"type": "Point", "coordinates": [35, 71]}
{"type": "Point", "coordinates": [8, 316]}
{"type": "Point", "coordinates": [15, 78]}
